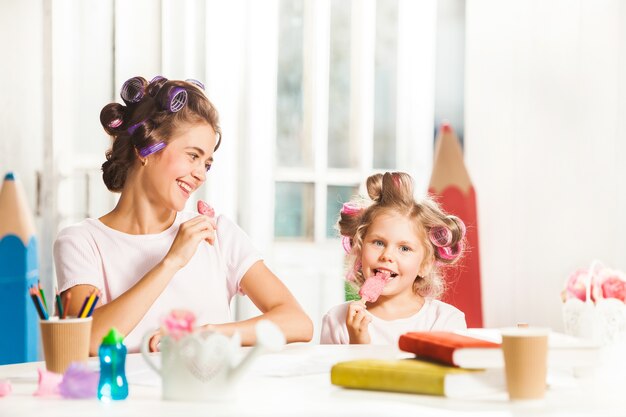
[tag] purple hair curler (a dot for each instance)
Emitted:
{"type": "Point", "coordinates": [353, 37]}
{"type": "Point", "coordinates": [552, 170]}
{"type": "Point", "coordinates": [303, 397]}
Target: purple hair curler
{"type": "Point", "coordinates": [149, 150]}
{"type": "Point", "coordinates": [132, 90]}
{"type": "Point", "coordinates": [196, 83]}
{"type": "Point", "coordinates": [155, 85]}
{"type": "Point", "coordinates": [440, 236]}
{"type": "Point", "coordinates": [176, 100]}
{"type": "Point", "coordinates": [134, 127]}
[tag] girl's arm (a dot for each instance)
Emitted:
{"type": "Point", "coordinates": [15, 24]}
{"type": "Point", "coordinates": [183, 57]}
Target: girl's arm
{"type": "Point", "coordinates": [276, 303]}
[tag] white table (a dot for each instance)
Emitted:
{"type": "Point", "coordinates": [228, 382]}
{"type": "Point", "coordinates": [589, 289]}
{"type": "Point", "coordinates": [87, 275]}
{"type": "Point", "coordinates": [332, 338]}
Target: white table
{"type": "Point", "coordinates": [304, 389]}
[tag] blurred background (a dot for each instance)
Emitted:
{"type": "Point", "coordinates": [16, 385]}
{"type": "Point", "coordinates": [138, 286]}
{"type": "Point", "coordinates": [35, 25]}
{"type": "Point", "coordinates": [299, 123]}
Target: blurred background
{"type": "Point", "coordinates": [315, 95]}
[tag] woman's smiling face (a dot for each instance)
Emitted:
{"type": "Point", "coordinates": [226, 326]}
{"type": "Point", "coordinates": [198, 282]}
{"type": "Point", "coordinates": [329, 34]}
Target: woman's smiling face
{"type": "Point", "coordinates": [180, 169]}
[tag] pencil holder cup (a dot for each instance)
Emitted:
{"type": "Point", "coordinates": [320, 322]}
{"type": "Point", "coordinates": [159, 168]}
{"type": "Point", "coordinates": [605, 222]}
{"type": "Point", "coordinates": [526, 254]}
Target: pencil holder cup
{"type": "Point", "coordinates": [65, 341]}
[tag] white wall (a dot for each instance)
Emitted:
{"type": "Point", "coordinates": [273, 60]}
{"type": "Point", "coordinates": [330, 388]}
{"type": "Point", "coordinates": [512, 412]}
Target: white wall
{"type": "Point", "coordinates": [21, 100]}
{"type": "Point", "coordinates": [546, 147]}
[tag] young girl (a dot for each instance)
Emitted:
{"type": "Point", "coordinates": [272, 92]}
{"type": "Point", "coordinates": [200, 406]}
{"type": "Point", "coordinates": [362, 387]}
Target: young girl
{"type": "Point", "coordinates": [396, 245]}
{"type": "Point", "coordinates": [147, 256]}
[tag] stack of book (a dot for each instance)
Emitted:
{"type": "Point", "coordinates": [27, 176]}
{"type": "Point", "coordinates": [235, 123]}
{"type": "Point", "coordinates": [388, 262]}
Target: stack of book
{"type": "Point", "coordinates": [456, 365]}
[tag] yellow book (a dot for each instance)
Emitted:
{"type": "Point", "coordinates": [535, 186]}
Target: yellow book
{"type": "Point", "coordinates": [417, 377]}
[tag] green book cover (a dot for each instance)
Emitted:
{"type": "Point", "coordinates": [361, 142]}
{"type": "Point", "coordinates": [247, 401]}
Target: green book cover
{"type": "Point", "coordinates": [414, 376]}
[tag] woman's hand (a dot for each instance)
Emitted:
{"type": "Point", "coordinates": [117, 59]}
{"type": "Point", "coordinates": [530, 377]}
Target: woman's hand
{"type": "Point", "coordinates": [189, 236]}
{"type": "Point", "coordinates": [357, 321]}
{"type": "Point", "coordinates": [155, 339]}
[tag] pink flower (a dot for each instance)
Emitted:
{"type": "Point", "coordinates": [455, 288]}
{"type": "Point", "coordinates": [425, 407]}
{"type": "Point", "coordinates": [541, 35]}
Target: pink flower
{"type": "Point", "coordinates": [179, 323]}
{"type": "Point", "coordinates": [605, 283]}
{"type": "Point", "coordinates": [610, 284]}
{"type": "Point", "coordinates": [575, 287]}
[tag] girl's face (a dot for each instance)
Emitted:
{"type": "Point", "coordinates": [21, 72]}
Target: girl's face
{"type": "Point", "coordinates": [393, 244]}
{"type": "Point", "coordinates": [181, 167]}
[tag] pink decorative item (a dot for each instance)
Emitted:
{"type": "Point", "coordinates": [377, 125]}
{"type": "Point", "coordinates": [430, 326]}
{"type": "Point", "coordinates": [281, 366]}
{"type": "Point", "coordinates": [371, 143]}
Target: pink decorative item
{"type": "Point", "coordinates": [48, 383]}
{"type": "Point", "coordinates": [350, 209]}
{"type": "Point", "coordinates": [599, 281]}
{"type": "Point", "coordinates": [594, 305]}
{"type": "Point", "coordinates": [373, 286]}
{"type": "Point", "coordinates": [5, 388]}
{"type": "Point", "coordinates": [79, 382]}
{"type": "Point", "coordinates": [179, 323]}
{"type": "Point", "coordinates": [575, 286]}
{"type": "Point", "coordinates": [204, 208]}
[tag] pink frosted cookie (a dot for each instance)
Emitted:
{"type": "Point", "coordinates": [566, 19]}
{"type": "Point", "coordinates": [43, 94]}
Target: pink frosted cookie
{"type": "Point", "coordinates": [204, 208]}
{"type": "Point", "coordinates": [373, 286]}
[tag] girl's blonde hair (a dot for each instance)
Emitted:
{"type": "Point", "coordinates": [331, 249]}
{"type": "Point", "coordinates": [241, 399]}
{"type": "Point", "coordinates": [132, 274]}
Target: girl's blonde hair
{"type": "Point", "coordinates": [393, 191]}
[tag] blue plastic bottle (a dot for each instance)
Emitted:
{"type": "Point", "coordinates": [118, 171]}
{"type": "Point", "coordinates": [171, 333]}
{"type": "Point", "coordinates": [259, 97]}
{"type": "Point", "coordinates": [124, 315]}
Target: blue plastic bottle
{"type": "Point", "coordinates": [112, 352]}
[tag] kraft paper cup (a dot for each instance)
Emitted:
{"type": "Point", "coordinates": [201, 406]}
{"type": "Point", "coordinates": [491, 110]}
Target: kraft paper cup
{"type": "Point", "coordinates": [65, 341]}
{"type": "Point", "coordinates": [525, 352]}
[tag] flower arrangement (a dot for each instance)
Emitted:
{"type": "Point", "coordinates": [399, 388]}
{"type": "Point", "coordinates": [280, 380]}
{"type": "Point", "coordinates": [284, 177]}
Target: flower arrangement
{"type": "Point", "coordinates": [178, 323]}
{"type": "Point", "coordinates": [597, 283]}
{"type": "Point", "coordinates": [594, 304]}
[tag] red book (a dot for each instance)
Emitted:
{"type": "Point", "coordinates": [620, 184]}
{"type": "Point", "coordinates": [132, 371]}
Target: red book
{"type": "Point", "coordinates": [444, 347]}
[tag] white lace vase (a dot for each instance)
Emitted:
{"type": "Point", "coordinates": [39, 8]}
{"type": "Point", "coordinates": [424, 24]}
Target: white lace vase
{"type": "Point", "coordinates": [603, 322]}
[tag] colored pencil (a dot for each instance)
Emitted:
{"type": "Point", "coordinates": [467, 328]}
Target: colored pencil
{"type": "Point", "coordinates": [43, 297]}
{"type": "Point", "coordinates": [59, 304]}
{"type": "Point", "coordinates": [34, 294]}
{"type": "Point", "coordinates": [87, 307]}
{"type": "Point", "coordinates": [80, 312]}
{"type": "Point", "coordinates": [66, 305]}
{"type": "Point", "coordinates": [93, 306]}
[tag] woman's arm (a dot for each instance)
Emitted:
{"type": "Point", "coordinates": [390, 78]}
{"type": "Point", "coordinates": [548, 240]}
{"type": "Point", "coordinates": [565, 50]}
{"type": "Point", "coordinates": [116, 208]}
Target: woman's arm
{"type": "Point", "coordinates": [276, 303]}
{"type": "Point", "coordinates": [127, 310]}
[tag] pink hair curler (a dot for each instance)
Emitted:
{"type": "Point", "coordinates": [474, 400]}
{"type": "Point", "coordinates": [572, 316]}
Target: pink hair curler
{"type": "Point", "coordinates": [462, 227]}
{"type": "Point", "coordinates": [350, 209]}
{"type": "Point", "coordinates": [450, 253]}
{"type": "Point", "coordinates": [440, 236]}
{"type": "Point", "coordinates": [346, 243]}
{"type": "Point", "coordinates": [396, 179]}
{"type": "Point", "coordinates": [115, 123]}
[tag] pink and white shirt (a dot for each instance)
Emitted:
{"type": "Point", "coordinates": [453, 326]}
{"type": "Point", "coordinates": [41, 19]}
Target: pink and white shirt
{"type": "Point", "coordinates": [92, 253]}
{"type": "Point", "coordinates": [434, 315]}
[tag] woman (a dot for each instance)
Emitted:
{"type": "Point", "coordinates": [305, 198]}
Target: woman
{"type": "Point", "coordinates": [147, 256]}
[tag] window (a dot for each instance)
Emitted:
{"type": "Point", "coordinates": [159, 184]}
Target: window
{"type": "Point", "coordinates": [336, 108]}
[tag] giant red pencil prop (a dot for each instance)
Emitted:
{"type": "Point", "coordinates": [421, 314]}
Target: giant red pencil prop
{"type": "Point", "coordinates": [451, 186]}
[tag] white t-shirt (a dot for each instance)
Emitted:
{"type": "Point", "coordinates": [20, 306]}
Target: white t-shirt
{"type": "Point", "coordinates": [434, 315]}
{"type": "Point", "coordinates": [92, 253]}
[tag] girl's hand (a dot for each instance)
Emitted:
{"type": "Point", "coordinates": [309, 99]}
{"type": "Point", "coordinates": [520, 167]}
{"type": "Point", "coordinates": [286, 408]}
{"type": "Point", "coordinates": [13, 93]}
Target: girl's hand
{"type": "Point", "coordinates": [357, 321]}
{"type": "Point", "coordinates": [189, 236]}
{"type": "Point", "coordinates": [155, 339]}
